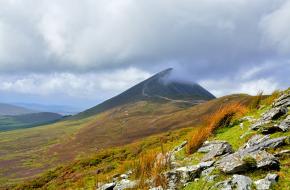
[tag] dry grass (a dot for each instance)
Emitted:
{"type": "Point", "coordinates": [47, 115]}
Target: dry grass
{"type": "Point", "coordinates": [256, 102]}
{"type": "Point", "coordinates": [151, 165]}
{"type": "Point", "coordinates": [222, 117]}
{"type": "Point", "coordinates": [269, 100]}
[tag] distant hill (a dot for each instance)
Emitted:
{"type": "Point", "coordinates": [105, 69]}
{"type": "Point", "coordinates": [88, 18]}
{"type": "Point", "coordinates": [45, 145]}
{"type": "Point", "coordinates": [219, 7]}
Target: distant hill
{"type": "Point", "coordinates": [157, 88]}
{"type": "Point", "coordinates": [9, 109]}
{"type": "Point", "coordinates": [27, 120]}
{"type": "Point", "coordinates": [61, 109]}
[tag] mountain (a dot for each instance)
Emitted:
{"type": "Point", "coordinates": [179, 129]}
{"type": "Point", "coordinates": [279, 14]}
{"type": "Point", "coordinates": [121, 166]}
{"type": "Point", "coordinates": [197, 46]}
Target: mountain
{"type": "Point", "coordinates": [157, 88]}
{"type": "Point", "coordinates": [11, 122]}
{"type": "Point", "coordinates": [9, 109]}
{"type": "Point", "coordinates": [61, 109]}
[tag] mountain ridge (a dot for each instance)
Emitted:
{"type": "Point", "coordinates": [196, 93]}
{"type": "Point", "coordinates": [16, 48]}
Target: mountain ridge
{"type": "Point", "coordinates": [155, 88]}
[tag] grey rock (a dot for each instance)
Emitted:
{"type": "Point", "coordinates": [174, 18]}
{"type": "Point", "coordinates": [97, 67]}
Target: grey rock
{"type": "Point", "coordinates": [224, 185]}
{"type": "Point", "coordinates": [182, 175]}
{"type": "Point", "coordinates": [108, 186]}
{"type": "Point", "coordinates": [283, 100]}
{"type": "Point", "coordinates": [207, 164]}
{"type": "Point", "coordinates": [211, 178]}
{"type": "Point", "coordinates": [255, 140]}
{"type": "Point", "coordinates": [235, 162]}
{"type": "Point", "coordinates": [265, 160]}
{"type": "Point", "coordinates": [241, 182]}
{"type": "Point", "coordinates": [267, 182]}
{"type": "Point", "coordinates": [275, 113]}
{"type": "Point", "coordinates": [125, 184]}
{"type": "Point", "coordinates": [270, 115]}
{"type": "Point", "coordinates": [214, 149]}
{"type": "Point", "coordinates": [207, 171]}
{"type": "Point", "coordinates": [180, 147]}
{"type": "Point", "coordinates": [285, 124]}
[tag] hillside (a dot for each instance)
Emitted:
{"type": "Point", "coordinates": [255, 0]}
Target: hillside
{"type": "Point", "coordinates": [9, 109]}
{"type": "Point", "coordinates": [12, 122]}
{"type": "Point", "coordinates": [247, 149]}
{"type": "Point", "coordinates": [157, 88]}
{"type": "Point", "coordinates": [26, 153]}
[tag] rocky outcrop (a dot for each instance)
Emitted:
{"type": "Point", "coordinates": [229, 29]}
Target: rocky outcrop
{"type": "Point", "coordinates": [108, 186]}
{"type": "Point", "coordinates": [214, 149]}
{"type": "Point", "coordinates": [238, 182]}
{"type": "Point", "coordinates": [267, 182]}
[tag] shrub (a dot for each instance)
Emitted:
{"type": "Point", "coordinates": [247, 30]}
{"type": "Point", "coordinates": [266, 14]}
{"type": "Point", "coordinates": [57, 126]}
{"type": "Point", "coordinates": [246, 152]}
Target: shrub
{"type": "Point", "coordinates": [221, 118]}
{"type": "Point", "coordinates": [256, 102]}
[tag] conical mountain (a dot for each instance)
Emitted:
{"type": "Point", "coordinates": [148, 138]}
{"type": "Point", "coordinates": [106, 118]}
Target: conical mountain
{"type": "Point", "coordinates": [155, 88]}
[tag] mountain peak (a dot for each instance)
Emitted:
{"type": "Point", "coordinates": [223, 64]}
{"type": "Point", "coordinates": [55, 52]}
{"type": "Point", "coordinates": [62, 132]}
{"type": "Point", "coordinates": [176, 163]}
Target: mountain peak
{"type": "Point", "coordinates": [156, 88]}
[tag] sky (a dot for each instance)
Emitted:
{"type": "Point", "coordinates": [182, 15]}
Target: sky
{"type": "Point", "coordinates": [81, 53]}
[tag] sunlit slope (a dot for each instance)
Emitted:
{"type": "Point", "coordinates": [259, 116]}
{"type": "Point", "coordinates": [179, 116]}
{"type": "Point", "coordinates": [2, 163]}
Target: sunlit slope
{"type": "Point", "coordinates": [25, 153]}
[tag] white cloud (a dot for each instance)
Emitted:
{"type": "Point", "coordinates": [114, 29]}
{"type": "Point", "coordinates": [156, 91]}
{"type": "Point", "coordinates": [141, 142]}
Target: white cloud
{"type": "Point", "coordinates": [86, 85]}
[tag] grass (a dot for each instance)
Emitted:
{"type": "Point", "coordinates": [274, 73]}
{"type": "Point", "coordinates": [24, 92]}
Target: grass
{"type": "Point", "coordinates": [29, 152]}
{"type": "Point", "coordinates": [220, 118]}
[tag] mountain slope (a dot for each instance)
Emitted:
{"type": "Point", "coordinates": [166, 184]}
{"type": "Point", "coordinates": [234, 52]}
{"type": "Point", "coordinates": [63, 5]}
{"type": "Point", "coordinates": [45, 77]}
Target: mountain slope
{"type": "Point", "coordinates": [8, 109]}
{"type": "Point", "coordinates": [11, 122]}
{"type": "Point", "coordinates": [157, 88]}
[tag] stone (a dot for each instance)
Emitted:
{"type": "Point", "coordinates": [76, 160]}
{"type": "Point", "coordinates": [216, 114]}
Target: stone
{"type": "Point", "coordinates": [180, 147]}
{"type": "Point", "coordinates": [255, 140]}
{"type": "Point", "coordinates": [125, 184]}
{"type": "Point", "coordinates": [265, 160]}
{"type": "Point", "coordinates": [283, 100]}
{"type": "Point", "coordinates": [224, 185]}
{"type": "Point", "coordinates": [285, 124]}
{"type": "Point", "coordinates": [275, 113]}
{"type": "Point", "coordinates": [204, 165]}
{"type": "Point", "coordinates": [207, 171]}
{"type": "Point", "coordinates": [272, 114]}
{"type": "Point", "coordinates": [241, 182]}
{"type": "Point", "coordinates": [183, 174]}
{"type": "Point", "coordinates": [156, 188]}
{"type": "Point", "coordinates": [214, 149]}
{"type": "Point", "coordinates": [267, 182]}
{"type": "Point", "coordinates": [235, 162]}
{"type": "Point", "coordinates": [108, 186]}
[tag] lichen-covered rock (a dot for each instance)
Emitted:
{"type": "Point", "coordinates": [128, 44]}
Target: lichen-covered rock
{"type": "Point", "coordinates": [283, 100]}
{"type": "Point", "coordinates": [125, 184]}
{"type": "Point", "coordinates": [182, 175]}
{"type": "Point", "coordinates": [255, 140]}
{"type": "Point", "coordinates": [214, 149]}
{"type": "Point", "coordinates": [272, 114]}
{"type": "Point", "coordinates": [207, 164]}
{"type": "Point", "coordinates": [207, 171]}
{"type": "Point", "coordinates": [285, 124]}
{"type": "Point", "coordinates": [238, 182]}
{"type": "Point", "coordinates": [236, 162]}
{"type": "Point", "coordinates": [241, 182]}
{"type": "Point", "coordinates": [267, 182]}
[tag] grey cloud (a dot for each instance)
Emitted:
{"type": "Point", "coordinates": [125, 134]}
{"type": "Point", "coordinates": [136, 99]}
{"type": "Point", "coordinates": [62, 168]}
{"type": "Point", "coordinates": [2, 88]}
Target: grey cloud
{"type": "Point", "coordinates": [203, 40]}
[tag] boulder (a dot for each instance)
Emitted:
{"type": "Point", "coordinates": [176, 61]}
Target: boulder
{"type": "Point", "coordinates": [182, 175]}
{"type": "Point", "coordinates": [214, 149]}
{"type": "Point", "coordinates": [240, 161]}
{"type": "Point", "coordinates": [207, 171]}
{"type": "Point", "coordinates": [241, 182]}
{"type": "Point", "coordinates": [125, 184]}
{"type": "Point", "coordinates": [238, 182]}
{"type": "Point", "coordinates": [255, 140]}
{"type": "Point", "coordinates": [224, 185]}
{"type": "Point", "coordinates": [285, 124]}
{"type": "Point", "coordinates": [272, 114]}
{"type": "Point", "coordinates": [283, 100]}
{"type": "Point", "coordinates": [265, 160]}
{"type": "Point", "coordinates": [267, 182]}
{"type": "Point", "coordinates": [108, 186]}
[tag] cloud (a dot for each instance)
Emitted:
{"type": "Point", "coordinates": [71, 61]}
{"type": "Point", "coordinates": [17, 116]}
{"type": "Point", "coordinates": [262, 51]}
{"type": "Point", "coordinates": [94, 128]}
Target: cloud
{"type": "Point", "coordinates": [85, 85]}
{"type": "Point", "coordinates": [50, 44]}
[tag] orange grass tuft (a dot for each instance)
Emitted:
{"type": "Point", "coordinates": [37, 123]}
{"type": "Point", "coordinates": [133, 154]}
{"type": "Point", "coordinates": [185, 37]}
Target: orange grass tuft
{"type": "Point", "coordinates": [222, 117]}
